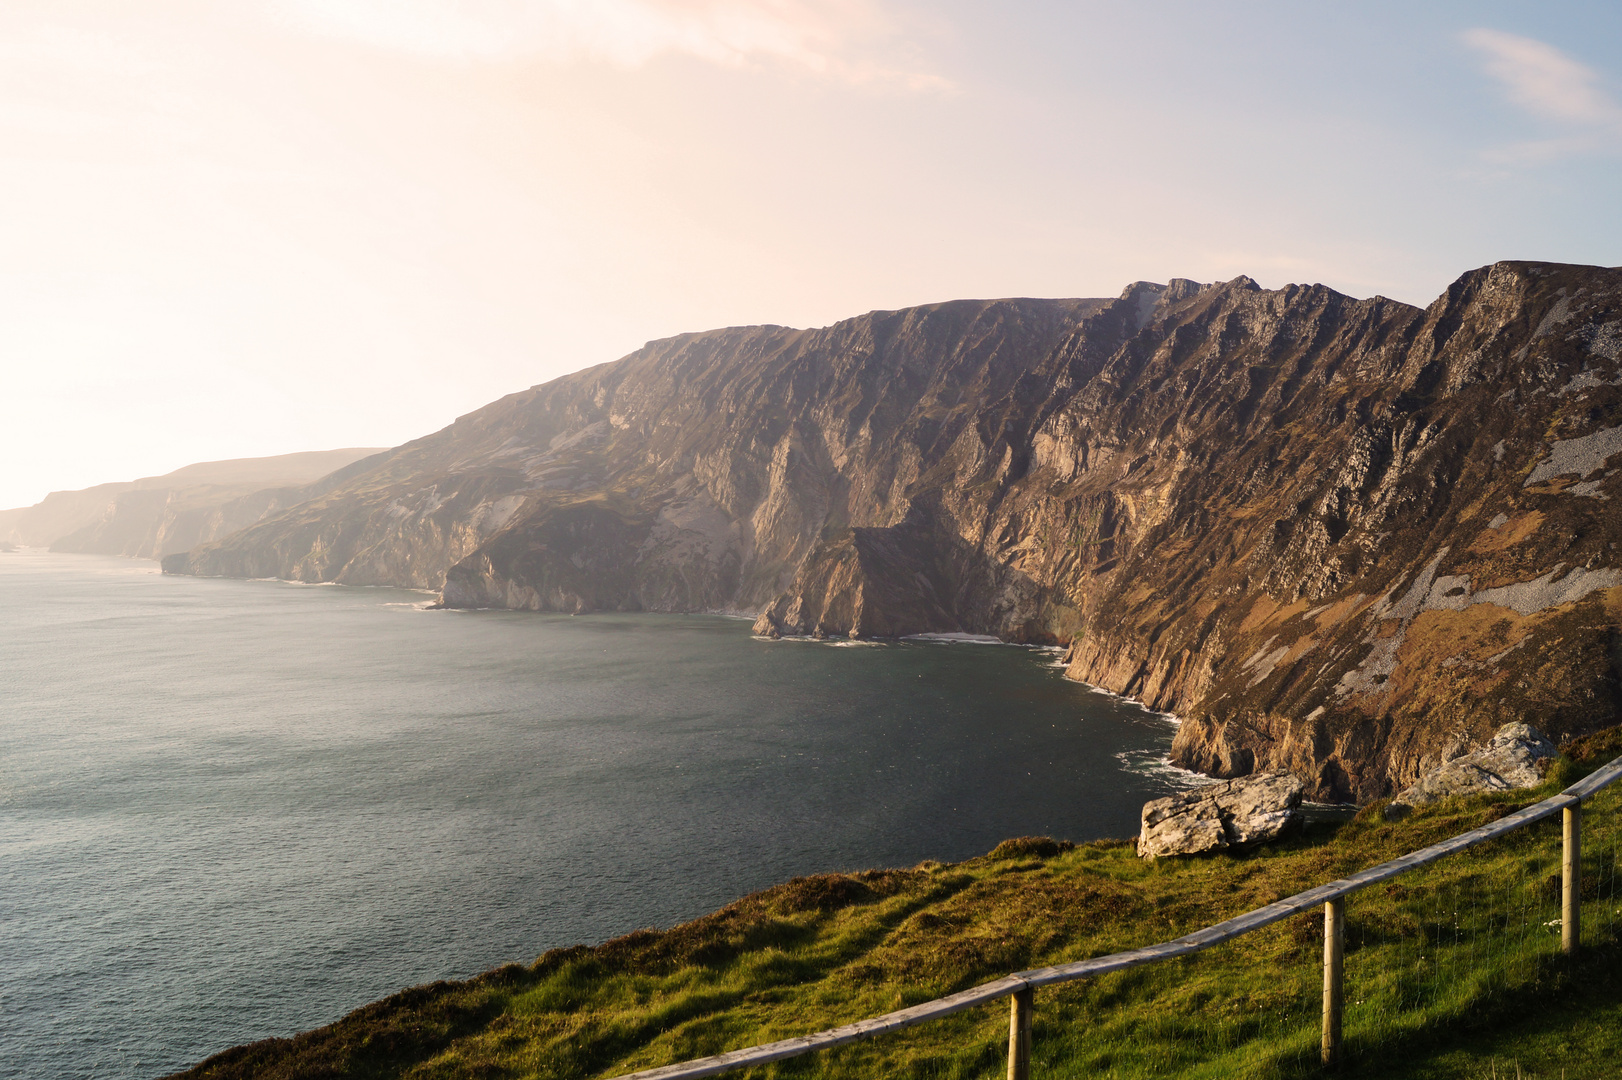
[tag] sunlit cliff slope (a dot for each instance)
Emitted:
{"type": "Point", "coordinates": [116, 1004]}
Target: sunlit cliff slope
{"type": "Point", "coordinates": [1344, 537]}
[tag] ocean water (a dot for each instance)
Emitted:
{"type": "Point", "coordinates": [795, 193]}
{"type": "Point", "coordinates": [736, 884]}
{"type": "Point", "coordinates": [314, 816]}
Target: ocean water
{"type": "Point", "coordinates": [230, 810]}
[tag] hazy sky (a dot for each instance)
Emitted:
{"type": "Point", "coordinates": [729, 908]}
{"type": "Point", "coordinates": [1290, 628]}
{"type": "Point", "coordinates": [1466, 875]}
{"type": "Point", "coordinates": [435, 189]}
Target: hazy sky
{"type": "Point", "coordinates": [244, 227]}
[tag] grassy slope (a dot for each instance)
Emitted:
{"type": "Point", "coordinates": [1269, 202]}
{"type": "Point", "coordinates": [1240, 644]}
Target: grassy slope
{"type": "Point", "coordinates": [1452, 972]}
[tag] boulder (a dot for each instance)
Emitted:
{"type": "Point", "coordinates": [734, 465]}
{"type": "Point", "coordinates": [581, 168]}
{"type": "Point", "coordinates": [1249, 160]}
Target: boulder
{"type": "Point", "coordinates": [1518, 756]}
{"type": "Point", "coordinates": [1233, 813]}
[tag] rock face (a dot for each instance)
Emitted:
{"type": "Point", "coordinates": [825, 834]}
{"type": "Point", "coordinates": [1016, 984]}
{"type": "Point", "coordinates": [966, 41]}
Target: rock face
{"type": "Point", "coordinates": [698, 474]}
{"type": "Point", "coordinates": [1518, 756]}
{"type": "Point", "coordinates": [161, 515]}
{"type": "Point", "coordinates": [1338, 537]}
{"type": "Point", "coordinates": [1234, 813]}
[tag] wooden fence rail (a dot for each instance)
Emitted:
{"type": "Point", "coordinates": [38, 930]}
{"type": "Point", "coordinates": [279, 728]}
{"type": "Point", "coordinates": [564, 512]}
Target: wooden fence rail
{"type": "Point", "coordinates": [1020, 986]}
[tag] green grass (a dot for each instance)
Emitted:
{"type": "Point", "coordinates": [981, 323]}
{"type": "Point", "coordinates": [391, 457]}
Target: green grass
{"type": "Point", "coordinates": [1452, 971]}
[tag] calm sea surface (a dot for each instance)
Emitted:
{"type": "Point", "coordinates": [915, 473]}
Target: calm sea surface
{"type": "Point", "coordinates": [237, 809]}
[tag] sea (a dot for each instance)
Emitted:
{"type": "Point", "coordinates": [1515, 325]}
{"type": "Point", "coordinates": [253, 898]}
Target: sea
{"type": "Point", "coordinates": [232, 809]}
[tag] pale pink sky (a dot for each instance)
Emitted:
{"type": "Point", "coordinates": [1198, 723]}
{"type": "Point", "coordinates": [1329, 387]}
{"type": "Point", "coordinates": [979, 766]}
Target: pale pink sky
{"type": "Point", "coordinates": [243, 227]}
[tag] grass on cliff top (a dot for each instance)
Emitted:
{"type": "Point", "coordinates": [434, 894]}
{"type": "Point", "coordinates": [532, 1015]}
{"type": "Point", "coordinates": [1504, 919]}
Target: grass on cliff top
{"type": "Point", "coordinates": [1452, 971]}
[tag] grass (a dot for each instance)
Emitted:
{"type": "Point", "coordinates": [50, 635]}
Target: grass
{"type": "Point", "coordinates": [1452, 971]}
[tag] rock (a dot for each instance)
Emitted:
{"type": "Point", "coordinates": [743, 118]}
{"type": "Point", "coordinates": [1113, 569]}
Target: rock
{"type": "Point", "coordinates": [1518, 756]}
{"type": "Point", "coordinates": [1234, 813]}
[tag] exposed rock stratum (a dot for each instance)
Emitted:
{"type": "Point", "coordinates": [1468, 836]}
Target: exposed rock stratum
{"type": "Point", "coordinates": [1341, 538]}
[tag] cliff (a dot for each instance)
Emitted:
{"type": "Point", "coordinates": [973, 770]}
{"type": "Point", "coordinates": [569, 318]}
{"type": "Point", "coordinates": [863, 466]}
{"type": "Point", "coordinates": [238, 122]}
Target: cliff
{"type": "Point", "coordinates": [160, 515]}
{"type": "Point", "coordinates": [1348, 538]}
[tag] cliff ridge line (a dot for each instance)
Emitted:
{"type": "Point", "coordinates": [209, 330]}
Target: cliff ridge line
{"type": "Point", "coordinates": [1335, 536]}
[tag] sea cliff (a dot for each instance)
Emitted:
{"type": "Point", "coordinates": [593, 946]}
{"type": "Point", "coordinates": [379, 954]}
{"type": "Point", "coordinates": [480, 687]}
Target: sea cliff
{"type": "Point", "coordinates": [1342, 537]}
{"type": "Point", "coordinates": [157, 516]}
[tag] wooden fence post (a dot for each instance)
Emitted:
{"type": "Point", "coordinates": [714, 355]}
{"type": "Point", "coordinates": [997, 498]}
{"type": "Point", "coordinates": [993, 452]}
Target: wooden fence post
{"type": "Point", "coordinates": [1019, 1034]}
{"type": "Point", "coordinates": [1571, 879]}
{"type": "Point", "coordinates": [1334, 983]}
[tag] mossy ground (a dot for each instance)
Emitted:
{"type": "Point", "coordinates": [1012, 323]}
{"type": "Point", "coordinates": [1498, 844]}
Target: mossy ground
{"type": "Point", "coordinates": [1453, 971]}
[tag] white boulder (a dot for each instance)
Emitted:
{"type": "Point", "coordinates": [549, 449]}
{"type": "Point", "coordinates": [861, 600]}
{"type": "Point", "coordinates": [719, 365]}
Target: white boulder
{"type": "Point", "coordinates": [1232, 813]}
{"type": "Point", "coordinates": [1518, 756]}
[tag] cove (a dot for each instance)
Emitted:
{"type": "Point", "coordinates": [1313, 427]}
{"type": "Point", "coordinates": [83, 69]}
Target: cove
{"type": "Point", "coordinates": [231, 810]}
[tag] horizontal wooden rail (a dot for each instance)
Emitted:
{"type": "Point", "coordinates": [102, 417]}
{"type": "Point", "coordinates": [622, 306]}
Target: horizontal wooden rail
{"type": "Point", "coordinates": [1198, 941]}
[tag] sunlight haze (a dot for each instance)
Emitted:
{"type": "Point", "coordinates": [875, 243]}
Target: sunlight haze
{"type": "Point", "coordinates": [249, 228]}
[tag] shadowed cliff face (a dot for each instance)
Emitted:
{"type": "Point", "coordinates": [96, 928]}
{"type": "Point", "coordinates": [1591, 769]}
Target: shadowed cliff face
{"type": "Point", "coordinates": [1346, 538]}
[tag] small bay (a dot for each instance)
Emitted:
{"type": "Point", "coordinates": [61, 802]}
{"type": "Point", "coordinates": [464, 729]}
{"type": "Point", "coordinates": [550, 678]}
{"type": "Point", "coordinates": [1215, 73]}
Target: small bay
{"type": "Point", "coordinates": [231, 810]}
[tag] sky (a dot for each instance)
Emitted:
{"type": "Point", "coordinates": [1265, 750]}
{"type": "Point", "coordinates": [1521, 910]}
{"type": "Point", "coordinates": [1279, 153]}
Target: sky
{"type": "Point", "coordinates": [246, 227]}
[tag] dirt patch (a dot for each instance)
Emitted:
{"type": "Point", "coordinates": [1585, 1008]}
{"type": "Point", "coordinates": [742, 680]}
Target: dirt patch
{"type": "Point", "coordinates": [1507, 535]}
{"type": "Point", "coordinates": [1340, 611]}
{"type": "Point", "coordinates": [1267, 612]}
{"type": "Point", "coordinates": [1302, 646]}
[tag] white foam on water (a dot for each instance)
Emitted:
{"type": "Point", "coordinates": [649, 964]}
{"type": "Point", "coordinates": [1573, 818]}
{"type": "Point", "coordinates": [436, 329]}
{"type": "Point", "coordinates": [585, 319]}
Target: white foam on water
{"type": "Point", "coordinates": [1158, 766]}
{"type": "Point", "coordinates": [961, 639]}
{"type": "Point", "coordinates": [1171, 718]}
{"type": "Point", "coordinates": [834, 642]}
{"type": "Point", "coordinates": [329, 585]}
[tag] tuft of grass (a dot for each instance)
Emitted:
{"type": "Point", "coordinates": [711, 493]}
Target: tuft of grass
{"type": "Point", "coordinates": [1035, 847]}
{"type": "Point", "coordinates": [1452, 971]}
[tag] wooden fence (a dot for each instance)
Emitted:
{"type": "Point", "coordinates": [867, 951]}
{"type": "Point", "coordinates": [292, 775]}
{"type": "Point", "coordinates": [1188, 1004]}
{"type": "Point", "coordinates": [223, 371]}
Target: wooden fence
{"type": "Point", "coordinates": [1021, 987]}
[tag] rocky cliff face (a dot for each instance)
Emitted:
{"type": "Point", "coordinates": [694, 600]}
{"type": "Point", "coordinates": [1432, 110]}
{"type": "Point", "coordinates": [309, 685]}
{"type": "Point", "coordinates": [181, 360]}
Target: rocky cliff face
{"type": "Point", "coordinates": [695, 474]}
{"type": "Point", "coordinates": [1344, 538]}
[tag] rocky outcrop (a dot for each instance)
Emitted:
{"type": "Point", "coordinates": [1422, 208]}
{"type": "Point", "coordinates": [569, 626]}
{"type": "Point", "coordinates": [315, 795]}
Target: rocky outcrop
{"type": "Point", "coordinates": [1339, 537]}
{"type": "Point", "coordinates": [1216, 817]}
{"type": "Point", "coordinates": [161, 515]}
{"type": "Point", "coordinates": [1518, 756]}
